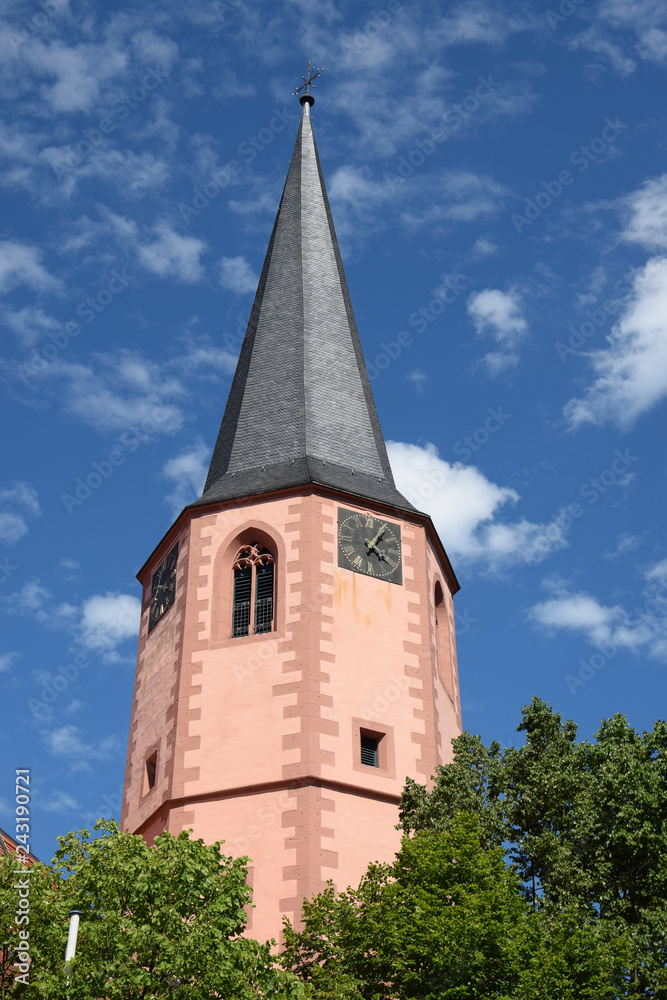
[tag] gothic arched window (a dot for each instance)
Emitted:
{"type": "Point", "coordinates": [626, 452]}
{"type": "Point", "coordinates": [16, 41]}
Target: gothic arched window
{"type": "Point", "coordinates": [253, 600]}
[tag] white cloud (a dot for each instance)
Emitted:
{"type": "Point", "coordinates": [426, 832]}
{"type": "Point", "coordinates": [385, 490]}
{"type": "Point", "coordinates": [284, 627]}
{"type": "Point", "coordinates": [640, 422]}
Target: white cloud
{"type": "Point", "coordinates": [69, 569]}
{"type": "Point", "coordinates": [646, 18]}
{"type": "Point", "coordinates": [596, 39]}
{"type": "Point", "coordinates": [646, 211]}
{"type": "Point", "coordinates": [31, 597]}
{"type": "Point", "coordinates": [418, 379]}
{"type": "Point", "coordinates": [454, 196]}
{"type": "Point", "coordinates": [439, 199]}
{"type": "Point", "coordinates": [36, 602]}
{"type": "Point", "coordinates": [188, 473]}
{"type": "Point", "coordinates": [237, 275]}
{"type": "Point", "coordinates": [500, 314]}
{"type": "Point", "coordinates": [17, 502]}
{"type": "Point", "coordinates": [64, 742]}
{"type": "Point", "coordinates": [67, 742]}
{"type": "Point", "coordinates": [658, 572]}
{"type": "Point", "coordinates": [6, 661]}
{"type": "Point", "coordinates": [579, 612]}
{"type": "Point", "coordinates": [101, 623]}
{"type": "Point", "coordinates": [484, 248]}
{"type": "Point", "coordinates": [172, 255]}
{"type": "Point", "coordinates": [20, 264]}
{"type": "Point", "coordinates": [60, 802]}
{"type": "Point", "coordinates": [29, 324]}
{"type": "Point", "coordinates": [205, 360]}
{"type": "Point", "coordinates": [154, 49]}
{"type": "Point", "coordinates": [119, 392]}
{"type": "Point", "coordinates": [12, 528]}
{"type": "Point", "coordinates": [78, 72]}
{"type": "Point", "coordinates": [632, 371]}
{"type": "Point", "coordinates": [608, 626]}
{"type": "Point", "coordinates": [168, 255]}
{"type": "Point", "coordinates": [625, 31]}
{"type": "Point", "coordinates": [135, 174]}
{"type": "Point", "coordinates": [476, 21]}
{"type": "Point", "coordinates": [108, 620]}
{"type": "Point", "coordinates": [626, 543]}
{"type": "Point", "coordinates": [465, 196]}
{"type": "Point", "coordinates": [465, 507]}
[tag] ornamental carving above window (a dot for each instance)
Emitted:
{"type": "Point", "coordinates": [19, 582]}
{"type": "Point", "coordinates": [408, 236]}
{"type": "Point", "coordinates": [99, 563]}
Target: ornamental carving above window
{"type": "Point", "coordinates": [252, 555]}
{"type": "Point", "coordinates": [253, 600]}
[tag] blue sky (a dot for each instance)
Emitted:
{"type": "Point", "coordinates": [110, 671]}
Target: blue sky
{"type": "Point", "coordinates": [496, 173]}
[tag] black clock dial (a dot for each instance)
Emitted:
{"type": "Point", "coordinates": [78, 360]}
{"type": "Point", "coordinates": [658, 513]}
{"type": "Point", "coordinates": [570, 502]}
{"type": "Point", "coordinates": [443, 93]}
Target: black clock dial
{"type": "Point", "coordinates": [369, 545]}
{"type": "Point", "coordinates": [163, 589]}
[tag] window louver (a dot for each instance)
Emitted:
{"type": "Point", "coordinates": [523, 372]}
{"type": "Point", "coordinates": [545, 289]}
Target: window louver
{"type": "Point", "coordinates": [264, 598]}
{"type": "Point", "coordinates": [241, 610]}
{"type": "Point", "coordinates": [369, 751]}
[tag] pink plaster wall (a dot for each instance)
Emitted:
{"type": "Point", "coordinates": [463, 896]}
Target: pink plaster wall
{"type": "Point", "coordinates": [258, 737]}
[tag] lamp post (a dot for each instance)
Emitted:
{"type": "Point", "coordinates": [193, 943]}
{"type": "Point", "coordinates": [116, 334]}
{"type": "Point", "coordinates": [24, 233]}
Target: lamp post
{"type": "Point", "coordinates": [72, 935]}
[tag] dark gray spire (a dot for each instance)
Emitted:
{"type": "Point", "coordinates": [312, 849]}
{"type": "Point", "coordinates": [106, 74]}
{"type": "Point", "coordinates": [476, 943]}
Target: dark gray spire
{"type": "Point", "coordinates": [301, 409]}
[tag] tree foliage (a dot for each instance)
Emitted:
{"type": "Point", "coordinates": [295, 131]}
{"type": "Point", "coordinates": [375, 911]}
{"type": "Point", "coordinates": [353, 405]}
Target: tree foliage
{"type": "Point", "coordinates": [559, 889]}
{"type": "Point", "coordinates": [447, 920]}
{"type": "Point", "coordinates": [585, 825]}
{"type": "Point", "coordinates": [162, 921]}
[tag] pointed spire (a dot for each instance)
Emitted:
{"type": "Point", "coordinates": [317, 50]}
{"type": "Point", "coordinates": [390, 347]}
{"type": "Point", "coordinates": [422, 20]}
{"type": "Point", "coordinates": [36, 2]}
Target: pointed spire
{"type": "Point", "coordinates": [300, 409]}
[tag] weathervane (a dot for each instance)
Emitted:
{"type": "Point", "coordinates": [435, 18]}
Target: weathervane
{"type": "Point", "coordinates": [307, 97]}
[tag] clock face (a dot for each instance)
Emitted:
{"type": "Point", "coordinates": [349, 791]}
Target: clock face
{"type": "Point", "coordinates": [369, 545]}
{"type": "Point", "coordinates": [163, 590]}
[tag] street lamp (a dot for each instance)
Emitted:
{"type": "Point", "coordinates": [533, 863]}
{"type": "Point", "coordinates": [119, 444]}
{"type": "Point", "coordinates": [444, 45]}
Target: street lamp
{"type": "Point", "coordinates": [72, 935]}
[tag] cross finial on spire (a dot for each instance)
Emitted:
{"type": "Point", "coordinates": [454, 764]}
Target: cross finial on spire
{"type": "Point", "coordinates": [311, 74]}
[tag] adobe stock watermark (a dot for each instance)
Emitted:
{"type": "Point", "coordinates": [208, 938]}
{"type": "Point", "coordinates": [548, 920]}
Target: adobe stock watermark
{"type": "Point", "coordinates": [109, 808]}
{"type": "Point", "coordinates": [591, 490]}
{"type": "Point", "coordinates": [420, 320]}
{"type": "Point", "coordinates": [381, 701]}
{"type": "Point", "coordinates": [470, 443]}
{"type": "Point", "coordinates": [248, 149]}
{"type": "Point", "coordinates": [582, 157]}
{"type": "Point", "coordinates": [135, 435]}
{"type": "Point", "coordinates": [223, 7]}
{"type": "Point", "coordinates": [367, 31]}
{"type": "Point", "coordinates": [596, 319]}
{"type": "Point", "coordinates": [87, 310]}
{"type": "Point", "coordinates": [565, 10]}
{"type": "Point", "coordinates": [589, 668]}
{"type": "Point", "coordinates": [23, 824]}
{"type": "Point", "coordinates": [461, 112]}
{"type": "Point", "coordinates": [261, 654]}
{"type": "Point", "coordinates": [6, 569]}
{"type": "Point", "coordinates": [31, 26]}
{"type": "Point", "coordinates": [104, 639]}
{"type": "Point", "coordinates": [270, 814]}
{"type": "Point", "coordinates": [463, 622]}
{"type": "Point", "coordinates": [92, 138]}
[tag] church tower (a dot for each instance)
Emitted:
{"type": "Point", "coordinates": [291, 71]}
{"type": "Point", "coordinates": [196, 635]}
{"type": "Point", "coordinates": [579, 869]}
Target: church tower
{"type": "Point", "coordinates": [296, 656]}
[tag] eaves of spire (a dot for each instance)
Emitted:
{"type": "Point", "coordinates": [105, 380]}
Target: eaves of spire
{"type": "Point", "coordinates": [300, 409]}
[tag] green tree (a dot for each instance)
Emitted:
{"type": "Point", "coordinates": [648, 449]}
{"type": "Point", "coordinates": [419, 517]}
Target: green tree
{"type": "Point", "coordinates": [447, 920]}
{"type": "Point", "coordinates": [162, 921]}
{"type": "Point", "coordinates": [585, 825]}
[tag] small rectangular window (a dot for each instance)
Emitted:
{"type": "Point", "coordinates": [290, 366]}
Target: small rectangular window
{"type": "Point", "coordinates": [150, 773]}
{"type": "Point", "coordinates": [369, 751]}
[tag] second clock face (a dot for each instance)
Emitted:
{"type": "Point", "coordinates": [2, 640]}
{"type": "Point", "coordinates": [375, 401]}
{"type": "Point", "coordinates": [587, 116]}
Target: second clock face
{"type": "Point", "coordinates": [163, 589]}
{"type": "Point", "coordinates": [369, 545]}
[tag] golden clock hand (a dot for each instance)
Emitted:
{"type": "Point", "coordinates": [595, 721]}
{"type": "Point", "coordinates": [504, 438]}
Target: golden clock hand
{"type": "Point", "coordinates": [371, 545]}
